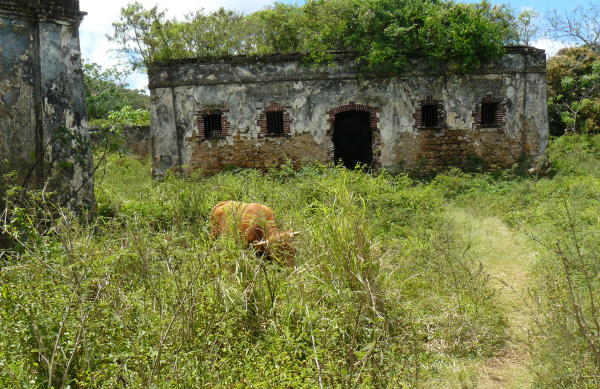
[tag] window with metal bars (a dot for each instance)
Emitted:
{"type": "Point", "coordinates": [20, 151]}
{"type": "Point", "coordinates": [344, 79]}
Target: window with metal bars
{"type": "Point", "coordinates": [429, 115]}
{"type": "Point", "coordinates": [489, 113]}
{"type": "Point", "coordinates": [212, 125]}
{"type": "Point", "coordinates": [275, 123]}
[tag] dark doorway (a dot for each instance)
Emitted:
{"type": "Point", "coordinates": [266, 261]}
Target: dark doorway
{"type": "Point", "coordinates": [353, 138]}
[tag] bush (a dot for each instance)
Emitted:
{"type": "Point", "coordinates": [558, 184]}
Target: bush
{"type": "Point", "coordinates": [385, 34]}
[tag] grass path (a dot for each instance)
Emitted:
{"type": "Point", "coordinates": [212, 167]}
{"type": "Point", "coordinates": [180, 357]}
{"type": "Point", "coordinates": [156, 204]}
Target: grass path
{"type": "Point", "coordinates": [507, 256]}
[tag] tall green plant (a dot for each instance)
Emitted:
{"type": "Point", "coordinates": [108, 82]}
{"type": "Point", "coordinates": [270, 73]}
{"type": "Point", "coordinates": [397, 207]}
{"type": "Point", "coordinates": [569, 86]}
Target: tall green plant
{"type": "Point", "coordinates": [574, 91]}
{"type": "Point", "coordinates": [384, 33]}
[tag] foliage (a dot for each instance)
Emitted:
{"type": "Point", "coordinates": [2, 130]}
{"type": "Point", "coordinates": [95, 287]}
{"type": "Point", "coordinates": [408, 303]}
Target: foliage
{"type": "Point", "coordinates": [561, 215]}
{"type": "Point", "coordinates": [443, 32]}
{"type": "Point", "coordinates": [219, 33]}
{"type": "Point", "coordinates": [144, 35]}
{"type": "Point", "coordinates": [385, 33]}
{"type": "Point", "coordinates": [108, 134]}
{"type": "Point", "coordinates": [386, 292]}
{"type": "Point", "coordinates": [574, 91]}
{"type": "Point", "coordinates": [124, 117]}
{"type": "Point", "coordinates": [106, 91]}
{"type": "Point", "coordinates": [527, 26]}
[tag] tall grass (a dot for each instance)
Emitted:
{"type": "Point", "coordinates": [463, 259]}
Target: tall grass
{"type": "Point", "coordinates": [561, 214]}
{"type": "Point", "coordinates": [386, 292]}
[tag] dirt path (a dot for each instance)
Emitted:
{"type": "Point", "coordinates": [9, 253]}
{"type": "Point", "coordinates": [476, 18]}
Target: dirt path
{"type": "Point", "coordinates": [507, 256]}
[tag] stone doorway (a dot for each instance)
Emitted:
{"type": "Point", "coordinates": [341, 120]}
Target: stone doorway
{"type": "Point", "coordinates": [353, 138]}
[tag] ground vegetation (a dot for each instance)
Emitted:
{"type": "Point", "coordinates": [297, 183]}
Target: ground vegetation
{"type": "Point", "coordinates": [389, 289]}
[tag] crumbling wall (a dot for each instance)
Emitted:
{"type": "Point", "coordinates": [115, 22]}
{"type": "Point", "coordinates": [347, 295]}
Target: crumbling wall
{"type": "Point", "coordinates": [244, 86]}
{"type": "Point", "coordinates": [44, 136]}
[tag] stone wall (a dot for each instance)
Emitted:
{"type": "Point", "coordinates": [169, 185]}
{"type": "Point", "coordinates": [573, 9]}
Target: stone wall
{"type": "Point", "coordinates": [43, 127]}
{"type": "Point", "coordinates": [212, 155]}
{"type": "Point", "coordinates": [244, 88]}
{"type": "Point", "coordinates": [136, 139]}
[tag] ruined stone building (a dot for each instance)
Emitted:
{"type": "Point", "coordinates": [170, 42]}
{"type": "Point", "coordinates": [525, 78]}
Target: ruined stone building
{"type": "Point", "coordinates": [43, 130]}
{"type": "Point", "coordinates": [259, 111]}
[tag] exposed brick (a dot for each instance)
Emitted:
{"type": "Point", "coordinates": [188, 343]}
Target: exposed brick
{"type": "Point", "coordinates": [500, 113]}
{"type": "Point", "coordinates": [211, 110]}
{"type": "Point", "coordinates": [215, 154]}
{"type": "Point", "coordinates": [274, 107]}
{"type": "Point", "coordinates": [441, 113]}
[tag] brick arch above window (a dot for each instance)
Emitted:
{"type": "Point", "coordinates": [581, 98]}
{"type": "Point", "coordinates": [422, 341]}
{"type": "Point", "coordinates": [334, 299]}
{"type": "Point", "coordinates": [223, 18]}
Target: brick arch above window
{"type": "Point", "coordinates": [205, 116]}
{"type": "Point", "coordinates": [263, 119]}
{"type": "Point", "coordinates": [352, 106]}
{"type": "Point", "coordinates": [498, 104]}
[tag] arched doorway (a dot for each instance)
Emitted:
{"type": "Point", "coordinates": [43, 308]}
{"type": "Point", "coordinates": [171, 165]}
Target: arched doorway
{"type": "Point", "coordinates": [353, 138]}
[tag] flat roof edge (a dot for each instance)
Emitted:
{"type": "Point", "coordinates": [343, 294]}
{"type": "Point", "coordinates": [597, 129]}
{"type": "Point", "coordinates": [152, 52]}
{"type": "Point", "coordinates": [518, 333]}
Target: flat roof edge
{"type": "Point", "coordinates": [288, 57]}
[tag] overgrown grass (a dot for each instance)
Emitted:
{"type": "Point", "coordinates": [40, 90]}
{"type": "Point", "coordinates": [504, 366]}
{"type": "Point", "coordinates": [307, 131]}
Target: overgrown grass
{"type": "Point", "coordinates": [387, 292]}
{"type": "Point", "coordinates": [561, 214]}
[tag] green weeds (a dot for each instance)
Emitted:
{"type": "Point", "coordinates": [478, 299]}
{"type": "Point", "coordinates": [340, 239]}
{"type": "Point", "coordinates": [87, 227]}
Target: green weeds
{"type": "Point", "coordinates": [385, 294]}
{"type": "Point", "coordinates": [388, 291]}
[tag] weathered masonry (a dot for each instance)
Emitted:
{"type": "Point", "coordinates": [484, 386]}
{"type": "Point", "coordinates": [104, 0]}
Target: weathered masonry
{"type": "Point", "coordinates": [43, 130]}
{"type": "Point", "coordinates": [259, 111]}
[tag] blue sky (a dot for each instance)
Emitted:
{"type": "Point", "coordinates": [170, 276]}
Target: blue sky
{"type": "Point", "coordinates": [101, 13]}
{"type": "Point", "coordinates": [542, 6]}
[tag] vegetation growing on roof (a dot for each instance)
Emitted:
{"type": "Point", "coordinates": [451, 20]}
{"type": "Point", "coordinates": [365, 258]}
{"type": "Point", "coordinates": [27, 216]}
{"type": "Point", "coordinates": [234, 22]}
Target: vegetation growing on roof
{"type": "Point", "coordinates": [384, 33]}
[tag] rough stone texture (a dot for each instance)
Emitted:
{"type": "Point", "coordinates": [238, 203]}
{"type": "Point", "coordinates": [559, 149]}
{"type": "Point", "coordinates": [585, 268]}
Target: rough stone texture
{"type": "Point", "coordinates": [44, 136]}
{"type": "Point", "coordinates": [136, 139]}
{"type": "Point", "coordinates": [212, 155]}
{"type": "Point", "coordinates": [248, 86]}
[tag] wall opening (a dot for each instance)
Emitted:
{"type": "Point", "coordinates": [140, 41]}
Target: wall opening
{"type": "Point", "coordinates": [489, 113]}
{"type": "Point", "coordinates": [275, 120]}
{"type": "Point", "coordinates": [353, 138]}
{"type": "Point", "coordinates": [213, 127]}
{"type": "Point", "coordinates": [429, 115]}
{"type": "Point", "coordinates": [275, 123]}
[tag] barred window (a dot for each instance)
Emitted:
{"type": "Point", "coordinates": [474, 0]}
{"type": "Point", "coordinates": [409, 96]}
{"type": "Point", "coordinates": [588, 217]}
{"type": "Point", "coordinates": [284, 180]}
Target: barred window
{"type": "Point", "coordinates": [275, 122]}
{"type": "Point", "coordinates": [429, 115]}
{"type": "Point", "coordinates": [212, 125]}
{"type": "Point", "coordinates": [489, 114]}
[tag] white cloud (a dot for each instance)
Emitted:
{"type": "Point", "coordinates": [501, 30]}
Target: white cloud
{"type": "Point", "coordinates": [551, 46]}
{"type": "Point", "coordinates": [100, 14]}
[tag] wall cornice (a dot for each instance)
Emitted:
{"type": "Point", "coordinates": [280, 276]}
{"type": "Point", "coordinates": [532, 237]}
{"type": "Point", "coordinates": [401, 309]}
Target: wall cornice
{"type": "Point", "coordinates": [43, 10]}
{"type": "Point", "coordinates": [291, 67]}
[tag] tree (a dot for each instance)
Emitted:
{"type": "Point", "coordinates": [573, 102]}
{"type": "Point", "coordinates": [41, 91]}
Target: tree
{"type": "Point", "coordinates": [527, 26]}
{"type": "Point", "coordinates": [391, 32]}
{"type": "Point", "coordinates": [146, 35]}
{"type": "Point", "coordinates": [384, 33]}
{"type": "Point", "coordinates": [580, 26]}
{"type": "Point", "coordinates": [574, 91]}
{"type": "Point", "coordinates": [275, 29]}
{"type": "Point", "coordinates": [106, 91]}
{"type": "Point", "coordinates": [221, 32]}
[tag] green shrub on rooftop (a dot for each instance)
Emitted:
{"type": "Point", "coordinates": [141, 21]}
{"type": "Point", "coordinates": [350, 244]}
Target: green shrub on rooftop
{"type": "Point", "coordinates": [384, 33]}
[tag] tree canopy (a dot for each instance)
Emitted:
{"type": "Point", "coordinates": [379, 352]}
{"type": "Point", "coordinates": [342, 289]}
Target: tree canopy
{"type": "Point", "coordinates": [383, 33]}
{"type": "Point", "coordinates": [106, 91]}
